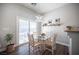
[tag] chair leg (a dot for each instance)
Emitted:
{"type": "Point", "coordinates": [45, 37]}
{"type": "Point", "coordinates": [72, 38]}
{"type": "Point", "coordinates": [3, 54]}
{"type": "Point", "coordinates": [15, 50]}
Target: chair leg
{"type": "Point", "coordinates": [54, 47]}
{"type": "Point", "coordinates": [52, 51]}
{"type": "Point", "coordinates": [33, 50]}
{"type": "Point", "coordinates": [29, 50]}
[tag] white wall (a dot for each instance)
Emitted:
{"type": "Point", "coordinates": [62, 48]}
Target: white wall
{"type": "Point", "coordinates": [69, 15]}
{"type": "Point", "coordinates": [8, 18]}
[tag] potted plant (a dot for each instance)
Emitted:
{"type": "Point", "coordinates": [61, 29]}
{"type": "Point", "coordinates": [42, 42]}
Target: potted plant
{"type": "Point", "coordinates": [10, 46]}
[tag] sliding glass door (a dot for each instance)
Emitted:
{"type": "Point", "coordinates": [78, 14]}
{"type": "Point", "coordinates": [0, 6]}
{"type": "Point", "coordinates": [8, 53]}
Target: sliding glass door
{"type": "Point", "coordinates": [24, 27]}
{"type": "Point", "coordinates": [23, 30]}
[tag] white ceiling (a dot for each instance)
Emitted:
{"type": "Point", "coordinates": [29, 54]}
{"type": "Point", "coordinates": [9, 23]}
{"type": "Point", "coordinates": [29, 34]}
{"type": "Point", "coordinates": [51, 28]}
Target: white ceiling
{"type": "Point", "coordinates": [43, 7]}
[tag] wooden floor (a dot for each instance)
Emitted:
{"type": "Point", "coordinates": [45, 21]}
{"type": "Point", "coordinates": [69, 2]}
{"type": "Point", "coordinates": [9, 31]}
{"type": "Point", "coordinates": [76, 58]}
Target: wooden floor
{"type": "Point", "coordinates": [23, 50]}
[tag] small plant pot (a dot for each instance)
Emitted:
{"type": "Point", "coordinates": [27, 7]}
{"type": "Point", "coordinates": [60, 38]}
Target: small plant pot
{"type": "Point", "coordinates": [10, 48]}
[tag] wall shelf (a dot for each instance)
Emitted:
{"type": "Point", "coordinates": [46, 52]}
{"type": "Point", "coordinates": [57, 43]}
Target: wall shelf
{"type": "Point", "coordinates": [52, 24]}
{"type": "Point", "coordinates": [71, 30]}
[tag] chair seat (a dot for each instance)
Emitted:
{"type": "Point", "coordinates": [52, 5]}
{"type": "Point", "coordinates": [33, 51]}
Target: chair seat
{"type": "Point", "coordinates": [48, 46]}
{"type": "Point", "coordinates": [37, 44]}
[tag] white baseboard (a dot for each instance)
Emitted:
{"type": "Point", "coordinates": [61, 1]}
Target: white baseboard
{"type": "Point", "coordinates": [62, 43]}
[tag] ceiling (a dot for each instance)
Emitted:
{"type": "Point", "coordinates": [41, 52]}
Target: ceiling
{"type": "Point", "coordinates": [43, 7]}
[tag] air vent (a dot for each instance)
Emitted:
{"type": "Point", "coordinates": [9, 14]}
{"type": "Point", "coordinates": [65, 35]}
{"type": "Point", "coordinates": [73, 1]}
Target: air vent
{"type": "Point", "coordinates": [33, 4]}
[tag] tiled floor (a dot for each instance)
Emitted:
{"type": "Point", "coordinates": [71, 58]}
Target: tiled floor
{"type": "Point", "coordinates": [23, 50]}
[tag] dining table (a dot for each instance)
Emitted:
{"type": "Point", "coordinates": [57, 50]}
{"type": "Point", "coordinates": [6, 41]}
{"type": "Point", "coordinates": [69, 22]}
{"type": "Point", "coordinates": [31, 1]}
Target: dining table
{"type": "Point", "coordinates": [45, 41]}
{"type": "Point", "coordinates": [42, 39]}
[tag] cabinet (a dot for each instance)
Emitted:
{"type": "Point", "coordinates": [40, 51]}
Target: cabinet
{"type": "Point", "coordinates": [74, 41]}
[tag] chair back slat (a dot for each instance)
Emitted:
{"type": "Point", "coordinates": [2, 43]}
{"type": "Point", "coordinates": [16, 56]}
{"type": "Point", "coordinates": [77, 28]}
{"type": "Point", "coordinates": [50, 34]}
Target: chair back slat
{"type": "Point", "coordinates": [31, 39]}
{"type": "Point", "coordinates": [53, 39]}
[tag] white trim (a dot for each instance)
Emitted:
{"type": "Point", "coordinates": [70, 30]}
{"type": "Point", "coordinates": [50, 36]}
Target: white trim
{"type": "Point", "coordinates": [63, 43]}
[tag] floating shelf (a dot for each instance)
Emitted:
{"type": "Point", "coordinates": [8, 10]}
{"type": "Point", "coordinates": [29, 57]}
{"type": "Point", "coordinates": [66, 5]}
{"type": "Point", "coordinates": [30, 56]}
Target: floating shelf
{"type": "Point", "coordinates": [52, 25]}
{"type": "Point", "coordinates": [71, 30]}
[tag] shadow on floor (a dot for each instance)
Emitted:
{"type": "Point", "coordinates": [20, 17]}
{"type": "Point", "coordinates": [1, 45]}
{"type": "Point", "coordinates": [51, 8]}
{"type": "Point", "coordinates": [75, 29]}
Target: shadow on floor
{"type": "Point", "coordinates": [23, 50]}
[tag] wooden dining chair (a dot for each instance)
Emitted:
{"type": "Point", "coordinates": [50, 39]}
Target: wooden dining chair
{"type": "Point", "coordinates": [51, 43]}
{"type": "Point", "coordinates": [33, 45]}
